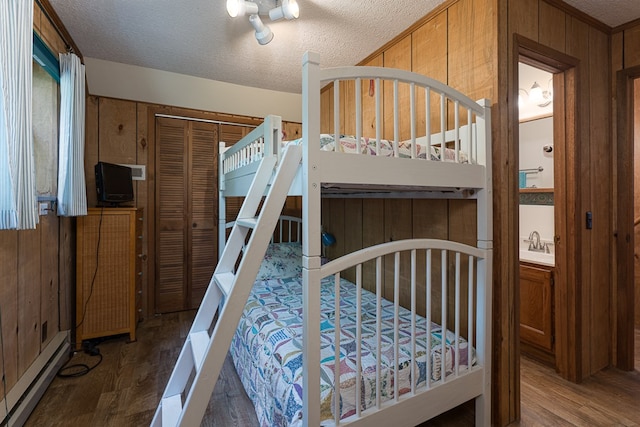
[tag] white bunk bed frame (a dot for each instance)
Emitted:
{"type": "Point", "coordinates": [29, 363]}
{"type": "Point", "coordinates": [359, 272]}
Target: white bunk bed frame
{"type": "Point", "coordinates": [359, 175]}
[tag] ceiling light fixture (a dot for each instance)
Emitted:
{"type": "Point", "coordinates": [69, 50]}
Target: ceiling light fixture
{"type": "Point", "coordinates": [241, 8]}
{"type": "Point", "coordinates": [275, 9]}
{"type": "Point", "coordinates": [289, 10]}
{"type": "Point", "coordinates": [263, 33]}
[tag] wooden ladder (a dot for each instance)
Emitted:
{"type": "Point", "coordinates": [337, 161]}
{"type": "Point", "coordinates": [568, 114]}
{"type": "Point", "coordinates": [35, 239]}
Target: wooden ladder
{"type": "Point", "coordinates": [194, 376]}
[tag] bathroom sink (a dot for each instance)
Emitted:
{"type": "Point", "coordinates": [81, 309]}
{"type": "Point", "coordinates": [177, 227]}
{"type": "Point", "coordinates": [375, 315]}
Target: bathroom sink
{"type": "Point", "coordinates": [537, 257]}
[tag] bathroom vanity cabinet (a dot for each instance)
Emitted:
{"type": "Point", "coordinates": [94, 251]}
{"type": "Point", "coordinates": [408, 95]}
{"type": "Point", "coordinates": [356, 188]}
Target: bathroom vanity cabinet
{"type": "Point", "coordinates": [537, 310]}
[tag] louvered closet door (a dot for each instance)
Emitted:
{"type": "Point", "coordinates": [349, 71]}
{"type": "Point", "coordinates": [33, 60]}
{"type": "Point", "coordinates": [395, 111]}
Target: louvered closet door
{"type": "Point", "coordinates": [204, 208]}
{"type": "Point", "coordinates": [186, 211]}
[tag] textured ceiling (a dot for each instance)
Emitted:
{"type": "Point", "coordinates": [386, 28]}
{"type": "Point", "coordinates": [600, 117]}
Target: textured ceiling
{"type": "Point", "coordinates": [198, 38]}
{"type": "Point", "coordinates": [611, 12]}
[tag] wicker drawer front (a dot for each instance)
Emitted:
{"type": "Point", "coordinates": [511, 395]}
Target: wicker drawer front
{"type": "Point", "coordinates": [108, 272]}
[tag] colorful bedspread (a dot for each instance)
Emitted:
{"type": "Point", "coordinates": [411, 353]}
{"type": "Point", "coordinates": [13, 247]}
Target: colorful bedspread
{"type": "Point", "coordinates": [267, 348]}
{"type": "Point", "coordinates": [368, 146]}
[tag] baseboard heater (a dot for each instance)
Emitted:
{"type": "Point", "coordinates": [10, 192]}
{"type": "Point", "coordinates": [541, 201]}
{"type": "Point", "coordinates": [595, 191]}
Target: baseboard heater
{"type": "Point", "coordinates": [25, 394]}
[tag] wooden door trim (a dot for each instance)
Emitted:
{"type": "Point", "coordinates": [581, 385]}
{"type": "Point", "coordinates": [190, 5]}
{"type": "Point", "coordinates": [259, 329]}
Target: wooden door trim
{"type": "Point", "coordinates": [624, 303]}
{"type": "Point", "coordinates": [565, 120]}
{"type": "Point", "coordinates": [151, 209]}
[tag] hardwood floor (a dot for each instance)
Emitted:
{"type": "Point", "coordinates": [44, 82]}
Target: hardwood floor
{"type": "Point", "coordinates": [125, 388]}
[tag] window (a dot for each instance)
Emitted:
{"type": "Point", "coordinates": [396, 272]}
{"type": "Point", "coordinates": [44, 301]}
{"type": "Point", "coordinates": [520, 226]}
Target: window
{"type": "Point", "coordinates": [45, 116]}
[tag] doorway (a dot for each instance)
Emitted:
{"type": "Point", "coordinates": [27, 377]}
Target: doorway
{"type": "Point", "coordinates": [565, 293]}
{"type": "Point", "coordinates": [537, 232]}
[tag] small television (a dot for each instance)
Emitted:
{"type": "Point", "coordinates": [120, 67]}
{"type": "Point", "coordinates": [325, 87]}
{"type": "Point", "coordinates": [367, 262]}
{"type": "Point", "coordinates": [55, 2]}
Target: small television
{"type": "Point", "coordinates": [114, 184]}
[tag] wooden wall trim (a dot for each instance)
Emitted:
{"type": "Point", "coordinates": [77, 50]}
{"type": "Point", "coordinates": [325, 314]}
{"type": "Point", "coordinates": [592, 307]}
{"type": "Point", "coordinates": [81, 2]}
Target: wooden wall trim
{"type": "Point", "coordinates": [567, 292]}
{"type": "Point", "coordinates": [624, 268]}
{"type": "Point", "coordinates": [55, 20]}
{"type": "Point", "coordinates": [541, 56]}
{"type": "Point", "coordinates": [593, 22]}
{"type": "Point", "coordinates": [628, 25]}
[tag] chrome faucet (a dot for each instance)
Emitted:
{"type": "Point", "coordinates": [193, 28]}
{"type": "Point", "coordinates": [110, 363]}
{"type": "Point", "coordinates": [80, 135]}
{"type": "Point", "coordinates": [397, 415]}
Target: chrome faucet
{"type": "Point", "coordinates": [535, 245]}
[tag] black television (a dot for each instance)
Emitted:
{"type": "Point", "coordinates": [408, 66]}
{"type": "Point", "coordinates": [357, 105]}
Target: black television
{"type": "Point", "coordinates": [113, 184]}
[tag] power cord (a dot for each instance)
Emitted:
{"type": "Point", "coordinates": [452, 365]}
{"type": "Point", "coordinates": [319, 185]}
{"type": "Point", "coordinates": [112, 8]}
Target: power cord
{"type": "Point", "coordinates": [80, 369]}
{"type": "Point", "coordinates": [95, 271]}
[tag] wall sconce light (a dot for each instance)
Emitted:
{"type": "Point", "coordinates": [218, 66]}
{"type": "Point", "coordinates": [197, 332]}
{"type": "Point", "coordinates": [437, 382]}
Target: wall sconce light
{"type": "Point", "coordinates": [275, 9]}
{"type": "Point", "coordinates": [326, 239]}
{"type": "Point", "coordinates": [536, 95]}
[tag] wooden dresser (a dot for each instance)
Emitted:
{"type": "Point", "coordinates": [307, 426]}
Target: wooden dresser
{"type": "Point", "coordinates": [108, 272]}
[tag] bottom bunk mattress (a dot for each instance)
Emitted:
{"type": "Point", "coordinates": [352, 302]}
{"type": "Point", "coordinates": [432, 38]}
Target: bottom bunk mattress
{"type": "Point", "coordinates": [267, 346]}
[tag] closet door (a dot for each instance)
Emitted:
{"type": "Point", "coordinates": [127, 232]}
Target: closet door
{"type": "Point", "coordinates": [203, 226]}
{"type": "Point", "coordinates": [186, 211]}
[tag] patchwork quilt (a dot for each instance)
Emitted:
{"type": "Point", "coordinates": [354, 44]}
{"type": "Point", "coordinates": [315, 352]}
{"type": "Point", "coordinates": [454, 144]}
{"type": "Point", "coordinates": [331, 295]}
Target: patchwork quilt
{"type": "Point", "coordinates": [267, 347]}
{"type": "Point", "coordinates": [368, 146]}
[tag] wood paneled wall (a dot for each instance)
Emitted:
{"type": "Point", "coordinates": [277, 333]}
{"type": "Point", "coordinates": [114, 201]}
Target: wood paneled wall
{"type": "Point", "coordinates": [456, 44]}
{"type": "Point", "coordinates": [554, 26]}
{"type": "Point", "coordinates": [37, 270]}
{"type": "Point", "coordinates": [467, 44]}
{"type": "Point", "coordinates": [625, 66]}
{"type": "Point", "coordinates": [470, 46]}
{"type": "Point", "coordinates": [120, 131]}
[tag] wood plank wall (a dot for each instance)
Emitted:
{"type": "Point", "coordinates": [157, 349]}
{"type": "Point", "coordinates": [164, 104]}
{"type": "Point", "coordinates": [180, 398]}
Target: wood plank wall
{"type": "Point", "coordinates": [625, 55]}
{"type": "Point", "coordinates": [449, 36]}
{"type": "Point", "coordinates": [121, 131]}
{"type": "Point", "coordinates": [553, 25]}
{"type": "Point", "coordinates": [37, 271]}
{"type": "Point", "coordinates": [456, 44]}
{"type": "Point", "coordinates": [469, 45]}
{"type": "Point", "coordinates": [471, 41]}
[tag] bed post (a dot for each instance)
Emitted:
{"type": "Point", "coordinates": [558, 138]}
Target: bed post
{"type": "Point", "coordinates": [311, 238]}
{"type": "Point", "coordinates": [485, 267]}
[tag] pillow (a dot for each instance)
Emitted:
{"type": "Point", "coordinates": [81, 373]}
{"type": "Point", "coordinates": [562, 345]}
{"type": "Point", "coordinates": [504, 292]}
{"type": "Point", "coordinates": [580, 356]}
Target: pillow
{"type": "Point", "coordinates": [282, 260]}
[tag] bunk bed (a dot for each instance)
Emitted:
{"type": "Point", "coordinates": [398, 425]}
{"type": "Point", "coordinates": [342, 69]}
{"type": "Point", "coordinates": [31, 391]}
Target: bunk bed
{"type": "Point", "coordinates": [392, 365]}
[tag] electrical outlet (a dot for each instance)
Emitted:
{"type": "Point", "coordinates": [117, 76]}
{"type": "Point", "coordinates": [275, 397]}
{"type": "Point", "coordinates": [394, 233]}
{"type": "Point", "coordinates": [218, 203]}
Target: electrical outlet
{"type": "Point", "coordinates": [43, 208]}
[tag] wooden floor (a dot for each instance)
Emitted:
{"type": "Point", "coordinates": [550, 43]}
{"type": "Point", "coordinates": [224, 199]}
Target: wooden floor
{"type": "Point", "coordinates": [126, 387]}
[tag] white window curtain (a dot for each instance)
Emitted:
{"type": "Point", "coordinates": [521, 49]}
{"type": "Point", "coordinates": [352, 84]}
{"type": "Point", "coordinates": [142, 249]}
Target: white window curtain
{"type": "Point", "coordinates": [18, 202]}
{"type": "Point", "coordinates": [72, 195]}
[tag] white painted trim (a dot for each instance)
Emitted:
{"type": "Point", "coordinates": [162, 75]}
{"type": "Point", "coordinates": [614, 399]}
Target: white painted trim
{"type": "Point", "coordinates": [24, 396]}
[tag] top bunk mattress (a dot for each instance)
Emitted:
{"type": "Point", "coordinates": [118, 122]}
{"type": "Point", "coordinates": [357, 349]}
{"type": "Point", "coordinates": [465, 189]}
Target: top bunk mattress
{"type": "Point", "coordinates": [385, 148]}
{"type": "Point", "coordinates": [376, 167]}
